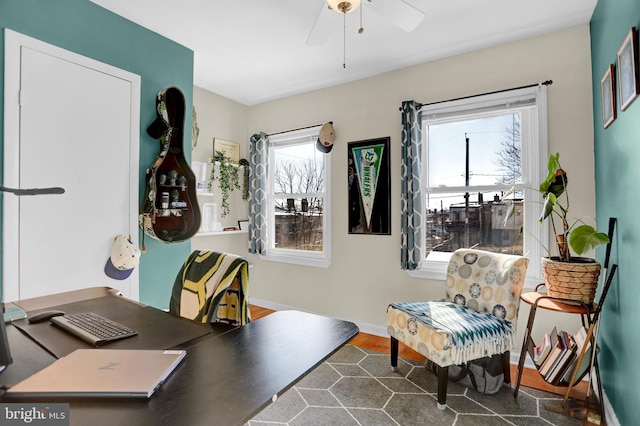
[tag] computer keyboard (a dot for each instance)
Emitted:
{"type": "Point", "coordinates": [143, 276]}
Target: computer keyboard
{"type": "Point", "coordinates": [93, 328]}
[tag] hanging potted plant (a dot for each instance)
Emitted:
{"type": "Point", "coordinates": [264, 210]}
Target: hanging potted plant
{"type": "Point", "coordinates": [567, 276]}
{"type": "Point", "coordinates": [226, 173]}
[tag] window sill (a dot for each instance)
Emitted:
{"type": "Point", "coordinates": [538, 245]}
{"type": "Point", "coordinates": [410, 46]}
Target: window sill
{"type": "Point", "coordinates": [433, 268]}
{"type": "Point", "coordinates": [304, 261]}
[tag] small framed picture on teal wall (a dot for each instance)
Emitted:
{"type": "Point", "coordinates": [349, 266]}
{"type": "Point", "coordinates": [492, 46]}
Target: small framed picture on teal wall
{"type": "Point", "coordinates": [608, 90]}
{"type": "Point", "coordinates": [628, 83]}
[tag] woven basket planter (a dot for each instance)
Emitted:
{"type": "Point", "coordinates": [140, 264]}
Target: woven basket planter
{"type": "Point", "coordinates": [576, 280]}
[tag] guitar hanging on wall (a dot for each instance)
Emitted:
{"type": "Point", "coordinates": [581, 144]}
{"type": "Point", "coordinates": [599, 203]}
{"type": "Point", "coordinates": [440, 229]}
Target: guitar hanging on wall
{"type": "Point", "coordinates": [170, 211]}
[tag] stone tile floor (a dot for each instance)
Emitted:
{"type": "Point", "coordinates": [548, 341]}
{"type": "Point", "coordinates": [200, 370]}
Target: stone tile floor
{"type": "Point", "coordinates": [356, 387]}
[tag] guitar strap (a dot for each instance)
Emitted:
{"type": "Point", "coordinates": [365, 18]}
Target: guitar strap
{"type": "Point", "coordinates": [148, 212]}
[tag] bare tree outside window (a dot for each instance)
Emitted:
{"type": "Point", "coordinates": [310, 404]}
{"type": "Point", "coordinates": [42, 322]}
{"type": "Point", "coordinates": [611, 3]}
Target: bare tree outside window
{"type": "Point", "coordinates": [505, 134]}
{"type": "Point", "coordinates": [299, 211]}
{"type": "Point", "coordinates": [297, 194]}
{"type": "Point", "coordinates": [480, 159]}
{"type": "Point", "coordinates": [508, 158]}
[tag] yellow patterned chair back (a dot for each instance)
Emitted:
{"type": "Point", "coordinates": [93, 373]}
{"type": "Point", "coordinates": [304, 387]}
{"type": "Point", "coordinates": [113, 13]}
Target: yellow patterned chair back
{"type": "Point", "coordinates": [212, 287]}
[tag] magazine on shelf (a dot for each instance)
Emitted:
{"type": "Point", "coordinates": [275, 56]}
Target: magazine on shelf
{"type": "Point", "coordinates": [540, 352]}
{"type": "Point", "coordinates": [556, 351]}
{"type": "Point", "coordinates": [581, 339]}
{"type": "Point", "coordinates": [552, 358]}
{"type": "Point", "coordinates": [556, 355]}
{"type": "Point", "coordinates": [568, 355]}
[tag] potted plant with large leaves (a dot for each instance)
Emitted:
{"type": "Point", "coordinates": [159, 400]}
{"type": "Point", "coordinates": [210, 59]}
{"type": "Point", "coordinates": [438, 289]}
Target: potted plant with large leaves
{"type": "Point", "coordinates": [567, 276]}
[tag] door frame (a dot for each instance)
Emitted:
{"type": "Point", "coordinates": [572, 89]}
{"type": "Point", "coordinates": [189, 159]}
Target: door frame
{"type": "Point", "coordinates": [14, 42]}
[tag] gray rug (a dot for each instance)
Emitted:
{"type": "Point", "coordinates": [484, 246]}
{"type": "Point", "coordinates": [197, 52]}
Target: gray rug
{"type": "Point", "coordinates": [357, 387]}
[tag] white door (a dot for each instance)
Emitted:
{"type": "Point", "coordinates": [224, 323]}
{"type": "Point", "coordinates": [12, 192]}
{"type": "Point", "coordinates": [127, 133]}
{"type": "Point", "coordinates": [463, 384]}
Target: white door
{"type": "Point", "coordinates": [70, 122]}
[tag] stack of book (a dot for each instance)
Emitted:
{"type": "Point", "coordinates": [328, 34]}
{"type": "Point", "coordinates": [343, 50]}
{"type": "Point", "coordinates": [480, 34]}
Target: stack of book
{"type": "Point", "coordinates": [557, 355]}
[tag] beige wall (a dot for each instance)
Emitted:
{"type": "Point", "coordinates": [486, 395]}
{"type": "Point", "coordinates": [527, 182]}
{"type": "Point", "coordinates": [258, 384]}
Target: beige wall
{"type": "Point", "coordinates": [365, 273]}
{"type": "Point", "coordinates": [219, 117]}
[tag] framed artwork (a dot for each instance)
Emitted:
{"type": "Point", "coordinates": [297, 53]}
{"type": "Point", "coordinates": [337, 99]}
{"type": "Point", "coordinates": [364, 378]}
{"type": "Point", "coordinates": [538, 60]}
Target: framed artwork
{"type": "Point", "coordinates": [608, 89]}
{"type": "Point", "coordinates": [230, 149]}
{"type": "Point", "coordinates": [369, 181]}
{"type": "Point", "coordinates": [629, 86]}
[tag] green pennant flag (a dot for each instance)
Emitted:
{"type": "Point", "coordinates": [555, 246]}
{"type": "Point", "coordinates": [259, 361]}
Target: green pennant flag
{"type": "Point", "coordinates": [367, 161]}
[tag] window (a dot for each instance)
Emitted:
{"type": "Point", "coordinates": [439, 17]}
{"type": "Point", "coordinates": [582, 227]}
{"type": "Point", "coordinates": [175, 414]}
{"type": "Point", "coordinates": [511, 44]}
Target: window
{"type": "Point", "coordinates": [475, 150]}
{"type": "Point", "coordinates": [298, 231]}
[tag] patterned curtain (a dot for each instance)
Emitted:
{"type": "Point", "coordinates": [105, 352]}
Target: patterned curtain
{"type": "Point", "coordinates": [411, 210]}
{"type": "Point", "coordinates": [258, 193]}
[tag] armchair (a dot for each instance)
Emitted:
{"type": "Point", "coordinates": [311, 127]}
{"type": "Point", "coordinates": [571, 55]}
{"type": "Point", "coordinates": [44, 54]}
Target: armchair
{"type": "Point", "coordinates": [476, 319]}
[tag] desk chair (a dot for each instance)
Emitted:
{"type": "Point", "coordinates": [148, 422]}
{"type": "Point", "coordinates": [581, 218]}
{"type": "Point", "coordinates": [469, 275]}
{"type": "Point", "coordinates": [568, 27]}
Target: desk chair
{"type": "Point", "coordinates": [476, 319]}
{"type": "Point", "coordinates": [212, 287]}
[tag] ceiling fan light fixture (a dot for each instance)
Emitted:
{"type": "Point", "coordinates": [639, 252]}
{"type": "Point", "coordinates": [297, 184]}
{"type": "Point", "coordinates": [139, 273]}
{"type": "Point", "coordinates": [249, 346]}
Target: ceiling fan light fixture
{"type": "Point", "coordinates": [344, 6]}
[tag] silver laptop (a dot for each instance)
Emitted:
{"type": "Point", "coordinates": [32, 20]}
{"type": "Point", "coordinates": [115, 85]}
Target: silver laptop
{"type": "Point", "coordinates": [102, 373]}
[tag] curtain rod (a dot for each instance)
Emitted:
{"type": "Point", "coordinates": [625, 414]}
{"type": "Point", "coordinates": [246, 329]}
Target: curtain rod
{"type": "Point", "coordinates": [299, 128]}
{"type": "Point", "coordinates": [545, 83]}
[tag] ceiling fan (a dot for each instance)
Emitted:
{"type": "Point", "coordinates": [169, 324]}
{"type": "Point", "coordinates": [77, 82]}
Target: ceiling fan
{"type": "Point", "coordinates": [399, 12]}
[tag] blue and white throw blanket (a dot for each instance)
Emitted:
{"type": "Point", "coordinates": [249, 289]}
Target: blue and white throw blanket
{"type": "Point", "coordinates": [468, 333]}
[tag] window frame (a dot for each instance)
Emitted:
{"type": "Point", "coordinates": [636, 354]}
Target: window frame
{"type": "Point", "coordinates": [320, 259]}
{"type": "Point", "coordinates": [533, 156]}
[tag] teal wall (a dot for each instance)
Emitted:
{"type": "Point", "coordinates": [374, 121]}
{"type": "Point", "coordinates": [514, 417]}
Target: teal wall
{"type": "Point", "coordinates": [617, 173]}
{"type": "Point", "coordinates": [87, 29]}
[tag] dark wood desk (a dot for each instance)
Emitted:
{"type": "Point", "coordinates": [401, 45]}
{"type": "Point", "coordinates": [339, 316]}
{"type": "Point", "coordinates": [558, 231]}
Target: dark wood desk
{"type": "Point", "coordinates": [156, 329]}
{"type": "Point", "coordinates": [226, 378]}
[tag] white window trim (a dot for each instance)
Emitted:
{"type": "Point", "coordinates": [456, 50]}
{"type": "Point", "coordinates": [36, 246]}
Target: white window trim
{"type": "Point", "coordinates": [299, 257]}
{"type": "Point", "coordinates": [533, 169]}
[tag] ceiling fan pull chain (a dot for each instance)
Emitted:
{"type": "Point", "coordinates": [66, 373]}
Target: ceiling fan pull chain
{"type": "Point", "coordinates": [361, 29]}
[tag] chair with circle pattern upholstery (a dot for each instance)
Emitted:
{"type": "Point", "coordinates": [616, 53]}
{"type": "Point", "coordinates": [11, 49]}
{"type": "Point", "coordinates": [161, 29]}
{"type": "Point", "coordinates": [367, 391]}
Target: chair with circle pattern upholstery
{"type": "Point", "coordinates": [476, 319]}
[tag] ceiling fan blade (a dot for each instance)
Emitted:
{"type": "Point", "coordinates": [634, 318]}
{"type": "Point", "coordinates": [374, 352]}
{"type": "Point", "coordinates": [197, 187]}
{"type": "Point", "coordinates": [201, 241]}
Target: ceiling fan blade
{"type": "Point", "coordinates": [401, 13]}
{"type": "Point", "coordinates": [322, 27]}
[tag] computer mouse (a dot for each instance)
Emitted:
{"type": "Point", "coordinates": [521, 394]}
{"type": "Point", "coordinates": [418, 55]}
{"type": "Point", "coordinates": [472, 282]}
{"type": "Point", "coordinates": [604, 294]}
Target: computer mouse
{"type": "Point", "coordinates": [43, 316]}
